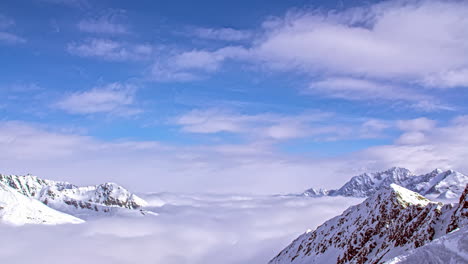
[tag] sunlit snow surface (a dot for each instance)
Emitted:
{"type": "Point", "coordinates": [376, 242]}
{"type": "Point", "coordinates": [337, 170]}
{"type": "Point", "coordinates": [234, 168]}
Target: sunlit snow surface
{"type": "Point", "coordinates": [228, 229]}
{"type": "Point", "coordinates": [449, 249]}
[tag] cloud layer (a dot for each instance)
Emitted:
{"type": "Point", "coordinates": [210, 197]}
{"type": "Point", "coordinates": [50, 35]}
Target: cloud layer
{"type": "Point", "coordinates": [255, 166]}
{"type": "Point", "coordinates": [189, 229]}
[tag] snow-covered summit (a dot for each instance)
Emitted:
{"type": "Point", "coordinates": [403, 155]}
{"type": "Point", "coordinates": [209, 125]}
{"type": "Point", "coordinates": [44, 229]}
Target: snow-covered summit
{"type": "Point", "coordinates": [79, 201]}
{"type": "Point", "coordinates": [316, 192]}
{"type": "Point", "coordinates": [437, 183]}
{"type": "Point", "coordinates": [389, 223]}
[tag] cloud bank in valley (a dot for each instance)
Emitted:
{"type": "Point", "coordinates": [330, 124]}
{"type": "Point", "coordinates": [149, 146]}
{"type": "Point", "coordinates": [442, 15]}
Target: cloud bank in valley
{"type": "Point", "coordinates": [193, 229]}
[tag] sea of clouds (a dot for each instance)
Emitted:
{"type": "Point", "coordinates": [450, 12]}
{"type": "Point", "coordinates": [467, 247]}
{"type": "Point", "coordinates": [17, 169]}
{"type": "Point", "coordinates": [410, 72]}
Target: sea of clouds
{"type": "Point", "coordinates": [195, 229]}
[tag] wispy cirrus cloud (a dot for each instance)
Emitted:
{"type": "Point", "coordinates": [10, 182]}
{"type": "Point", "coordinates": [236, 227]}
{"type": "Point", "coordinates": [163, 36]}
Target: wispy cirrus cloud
{"type": "Point", "coordinates": [273, 126]}
{"type": "Point", "coordinates": [314, 125]}
{"type": "Point", "coordinates": [110, 50]}
{"type": "Point", "coordinates": [6, 36]}
{"type": "Point", "coordinates": [224, 34]}
{"type": "Point", "coordinates": [114, 98]}
{"type": "Point", "coordinates": [359, 89]}
{"type": "Point", "coordinates": [11, 38]}
{"type": "Point", "coordinates": [109, 23]}
{"type": "Point", "coordinates": [71, 3]}
{"type": "Point", "coordinates": [193, 65]}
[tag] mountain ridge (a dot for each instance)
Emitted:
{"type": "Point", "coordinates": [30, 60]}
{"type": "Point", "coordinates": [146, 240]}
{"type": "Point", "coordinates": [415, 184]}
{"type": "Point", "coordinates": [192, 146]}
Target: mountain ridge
{"type": "Point", "coordinates": [437, 183]}
{"type": "Point", "coordinates": [387, 224]}
{"type": "Point", "coordinates": [81, 202]}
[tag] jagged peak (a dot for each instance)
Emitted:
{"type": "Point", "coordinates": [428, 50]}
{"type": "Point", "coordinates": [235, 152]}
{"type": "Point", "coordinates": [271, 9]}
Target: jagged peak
{"type": "Point", "coordinates": [112, 186]}
{"type": "Point", "coordinates": [316, 192]}
{"type": "Point", "coordinates": [397, 169]}
{"type": "Point", "coordinates": [436, 171]}
{"type": "Point", "coordinates": [391, 172]}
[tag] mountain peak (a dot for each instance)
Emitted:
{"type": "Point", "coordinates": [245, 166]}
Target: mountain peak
{"type": "Point", "coordinates": [397, 169]}
{"type": "Point", "coordinates": [367, 184]}
{"type": "Point", "coordinates": [437, 171]}
{"type": "Point", "coordinates": [390, 222]}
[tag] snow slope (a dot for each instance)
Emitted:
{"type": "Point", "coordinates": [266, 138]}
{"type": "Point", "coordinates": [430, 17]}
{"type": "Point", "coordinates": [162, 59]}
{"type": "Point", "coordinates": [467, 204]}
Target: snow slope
{"type": "Point", "coordinates": [18, 209]}
{"type": "Point", "coordinates": [386, 225]}
{"type": "Point", "coordinates": [452, 248]}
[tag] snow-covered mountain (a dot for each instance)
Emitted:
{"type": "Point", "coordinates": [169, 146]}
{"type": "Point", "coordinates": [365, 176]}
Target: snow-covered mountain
{"type": "Point", "coordinates": [451, 248]}
{"type": "Point", "coordinates": [389, 223]}
{"type": "Point", "coordinates": [18, 209]}
{"type": "Point", "coordinates": [438, 183]}
{"type": "Point", "coordinates": [82, 202]}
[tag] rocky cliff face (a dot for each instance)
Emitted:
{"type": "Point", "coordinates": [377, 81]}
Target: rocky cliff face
{"type": "Point", "coordinates": [389, 223]}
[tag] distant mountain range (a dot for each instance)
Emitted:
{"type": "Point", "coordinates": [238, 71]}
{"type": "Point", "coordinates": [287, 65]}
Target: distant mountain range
{"type": "Point", "coordinates": [29, 199]}
{"type": "Point", "coordinates": [435, 184]}
{"type": "Point", "coordinates": [391, 225]}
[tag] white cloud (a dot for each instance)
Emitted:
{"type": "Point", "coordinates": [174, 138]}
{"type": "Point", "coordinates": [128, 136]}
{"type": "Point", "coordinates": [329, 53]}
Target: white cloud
{"type": "Point", "coordinates": [193, 65]}
{"type": "Point", "coordinates": [110, 50]}
{"type": "Point", "coordinates": [203, 60]}
{"type": "Point", "coordinates": [8, 37]}
{"type": "Point", "coordinates": [408, 41]}
{"type": "Point", "coordinates": [190, 229]}
{"type": "Point", "coordinates": [226, 34]}
{"type": "Point", "coordinates": [151, 166]}
{"type": "Point", "coordinates": [161, 72]}
{"type": "Point", "coordinates": [107, 24]}
{"type": "Point", "coordinates": [461, 120]}
{"type": "Point", "coordinates": [266, 126]}
{"type": "Point", "coordinates": [432, 106]}
{"type": "Point", "coordinates": [360, 89]}
{"type": "Point", "coordinates": [257, 166]}
{"type": "Point", "coordinates": [411, 138]}
{"type": "Point", "coordinates": [71, 3]}
{"type": "Point", "coordinates": [449, 78]}
{"type": "Point", "coordinates": [393, 50]}
{"type": "Point", "coordinates": [418, 124]}
{"type": "Point", "coordinates": [314, 125]}
{"type": "Point", "coordinates": [113, 98]}
{"type": "Point", "coordinates": [422, 147]}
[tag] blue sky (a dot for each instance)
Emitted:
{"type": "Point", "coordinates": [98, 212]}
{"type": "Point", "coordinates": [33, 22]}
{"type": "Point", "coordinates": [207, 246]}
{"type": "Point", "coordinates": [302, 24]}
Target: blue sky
{"type": "Point", "coordinates": [254, 96]}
